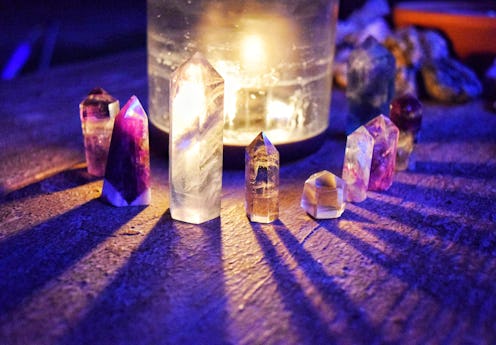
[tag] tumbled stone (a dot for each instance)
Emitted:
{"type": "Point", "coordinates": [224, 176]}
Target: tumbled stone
{"type": "Point", "coordinates": [195, 141]}
{"type": "Point", "coordinates": [127, 176]}
{"type": "Point", "coordinates": [324, 195]}
{"type": "Point", "coordinates": [385, 135]}
{"type": "Point", "coordinates": [405, 47]}
{"type": "Point", "coordinates": [434, 45]}
{"type": "Point", "coordinates": [97, 112]}
{"type": "Point", "coordinates": [448, 80]}
{"type": "Point", "coordinates": [357, 163]}
{"type": "Point", "coordinates": [370, 87]}
{"type": "Point", "coordinates": [262, 180]}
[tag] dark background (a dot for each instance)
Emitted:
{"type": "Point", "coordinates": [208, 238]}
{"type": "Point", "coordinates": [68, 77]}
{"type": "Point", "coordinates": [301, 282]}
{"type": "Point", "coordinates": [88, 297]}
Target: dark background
{"type": "Point", "coordinates": [82, 29]}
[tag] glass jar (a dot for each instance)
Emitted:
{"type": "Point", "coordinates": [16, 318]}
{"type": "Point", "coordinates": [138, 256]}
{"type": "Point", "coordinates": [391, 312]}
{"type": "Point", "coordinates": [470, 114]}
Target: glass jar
{"type": "Point", "coordinates": [274, 55]}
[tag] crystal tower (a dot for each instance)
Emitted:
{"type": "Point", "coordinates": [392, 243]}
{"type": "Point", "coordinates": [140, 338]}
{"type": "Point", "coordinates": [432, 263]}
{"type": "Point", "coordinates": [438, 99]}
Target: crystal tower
{"type": "Point", "coordinates": [195, 141]}
{"type": "Point", "coordinates": [262, 180]}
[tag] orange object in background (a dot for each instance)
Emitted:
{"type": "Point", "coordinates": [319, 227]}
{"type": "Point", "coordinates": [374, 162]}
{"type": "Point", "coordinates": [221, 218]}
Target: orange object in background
{"type": "Point", "coordinates": [470, 26]}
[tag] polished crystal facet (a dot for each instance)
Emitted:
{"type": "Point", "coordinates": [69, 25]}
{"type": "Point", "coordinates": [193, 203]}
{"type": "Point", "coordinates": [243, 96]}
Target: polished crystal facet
{"type": "Point", "coordinates": [324, 195]}
{"type": "Point", "coordinates": [195, 141]}
{"type": "Point", "coordinates": [385, 135]}
{"type": "Point", "coordinates": [97, 112]}
{"type": "Point", "coordinates": [357, 163]}
{"type": "Point", "coordinates": [127, 176]}
{"type": "Point", "coordinates": [404, 151]}
{"type": "Point", "coordinates": [370, 88]}
{"type": "Point", "coordinates": [406, 114]}
{"type": "Point", "coordinates": [262, 180]}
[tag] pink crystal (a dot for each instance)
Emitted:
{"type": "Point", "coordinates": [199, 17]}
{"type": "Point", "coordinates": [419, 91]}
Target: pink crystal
{"type": "Point", "coordinates": [385, 135]}
{"type": "Point", "coordinates": [127, 176]}
{"type": "Point", "coordinates": [262, 180]}
{"type": "Point", "coordinates": [97, 112]}
{"type": "Point", "coordinates": [324, 195]}
{"type": "Point", "coordinates": [357, 163]}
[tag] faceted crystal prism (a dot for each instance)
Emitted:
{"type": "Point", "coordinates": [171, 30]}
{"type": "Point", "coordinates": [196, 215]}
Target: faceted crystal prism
{"type": "Point", "coordinates": [357, 162]}
{"type": "Point", "coordinates": [385, 135]}
{"type": "Point", "coordinates": [404, 151]}
{"type": "Point", "coordinates": [195, 141]}
{"type": "Point", "coordinates": [370, 88]}
{"type": "Point", "coordinates": [406, 114]}
{"type": "Point", "coordinates": [262, 180]}
{"type": "Point", "coordinates": [97, 112]}
{"type": "Point", "coordinates": [127, 176]}
{"type": "Point", "coordinates": [324, 195]}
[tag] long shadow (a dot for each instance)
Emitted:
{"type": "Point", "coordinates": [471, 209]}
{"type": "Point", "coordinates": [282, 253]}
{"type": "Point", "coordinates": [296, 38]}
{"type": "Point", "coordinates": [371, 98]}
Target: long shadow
{"type": "Point", "coordinates": [441, 276]}
{"type": "Point", "coordinates": [64, 180]}
{"type": "Point", "coordinates": [312, 329]}
{"type": "Point", "coordinates": [457, 169]}
{"type": "Point", "coordinates": [422, 266]}
{"type": "Point", "coordinates": [449, 199]}
{"type": "Point", "coordinates": [448, 228]}
{"type": "Point", "coordinates": [35, 256]}
{"type": "Point", "coordinates": [171, 291]}
{"type": "Point", "coordinates": [332, 294]}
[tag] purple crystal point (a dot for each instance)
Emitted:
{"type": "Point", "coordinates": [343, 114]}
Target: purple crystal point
{"type": "Point", "coordinates": [262, 180]}
{"type": "Point", "coordinates": [385, 135]}
{"type": "Point", "coordinates": [324, 195]}
{"type": "Point", "coordinates": [406, 113]}
{"type": "Point", "coordinates": [128, 166]}
{"type": "Point", "coordinates": [97, 112]}
{"type": "Point", "coordinates": [357, 162]}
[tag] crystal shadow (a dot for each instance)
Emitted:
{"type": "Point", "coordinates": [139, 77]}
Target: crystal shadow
{"type": "Point", "coordinates": [171, 291]}
{"type": "Point", "coordinates": [34, 257]}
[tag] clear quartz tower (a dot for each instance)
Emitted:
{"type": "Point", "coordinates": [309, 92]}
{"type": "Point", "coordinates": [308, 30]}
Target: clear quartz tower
{"type": "Point", "coordinates": [262, 180]}
{"type": "Point", "coordinates": [357, 161]}
{"type": "Point", "coordinates": [195, 141]}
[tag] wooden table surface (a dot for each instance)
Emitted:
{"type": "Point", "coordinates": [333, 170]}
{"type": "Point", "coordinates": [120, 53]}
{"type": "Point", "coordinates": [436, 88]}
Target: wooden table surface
{"type": "Point", "coordinates": [413, 265]}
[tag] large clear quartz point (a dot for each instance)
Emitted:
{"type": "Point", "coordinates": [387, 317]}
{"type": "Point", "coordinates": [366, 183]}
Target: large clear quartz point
{"type": "Point", "coordinates": [262, 180]}
{"type": "Point", "coordinates": [195, 141]}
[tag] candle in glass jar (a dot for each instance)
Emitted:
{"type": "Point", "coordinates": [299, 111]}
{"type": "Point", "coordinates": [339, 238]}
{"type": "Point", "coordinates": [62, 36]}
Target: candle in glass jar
{"type": "Point", "coordinates": [275, 59]}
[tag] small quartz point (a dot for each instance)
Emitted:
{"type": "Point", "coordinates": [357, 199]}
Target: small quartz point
{"type": "Point", "coordinates": [196, 141]}
{"type": "Point", "coordinates": [371, 78]}
{"type": "Point", "coordinates": [385, 135]}
{"type": "Point", "coordinates": [406, 114]}
{"type": "Point", "coordinates": [127, 176]}
{"type": "Point", "coordinates": [97, 112]}
{"type": "Point", "coordinates": [262, 180]}
{"type": "Point", "coordinates": [357, 163]}
{"type": "Point", "coordinates": [324, 195]}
